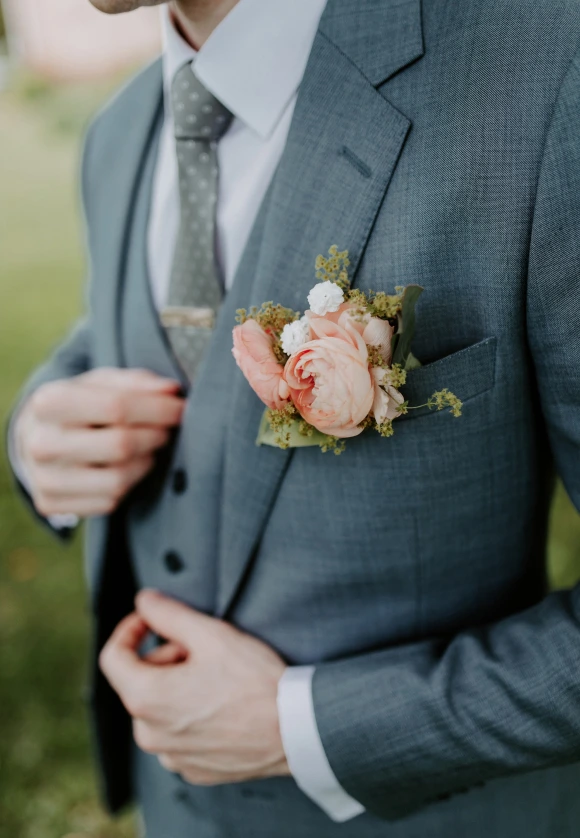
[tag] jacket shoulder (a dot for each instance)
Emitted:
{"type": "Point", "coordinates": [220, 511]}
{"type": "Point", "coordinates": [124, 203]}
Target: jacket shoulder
{"type": "Point", "coordinates": [552, 24]}
{"type": "Point", "coordinates": [543, 32]}
{"type": "Point", "coordinates": [507, 54]}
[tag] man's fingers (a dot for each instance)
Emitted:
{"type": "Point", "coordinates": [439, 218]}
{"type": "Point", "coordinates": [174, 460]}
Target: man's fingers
{"type": "Point", "coordinates": [78, 402]}
{"type": "Point", "coordinates": [136, 682]}
{"type": "Point", "coordinates": [95, 446]}
{"type": "Point", "coordinates": [126, 379]}
{"type": "Point", "coordinates": [161, 409]}
{"type": "Point", "coordinates": [119, 659]}
{"type": "Point", "coordinates": [171, 619]}
{"type": "Point", "coordinates": [169, 763]}
{"type": "Point", "coordinates": [82, 507]}
{"type": "Point", "coordinates": [113, 482]}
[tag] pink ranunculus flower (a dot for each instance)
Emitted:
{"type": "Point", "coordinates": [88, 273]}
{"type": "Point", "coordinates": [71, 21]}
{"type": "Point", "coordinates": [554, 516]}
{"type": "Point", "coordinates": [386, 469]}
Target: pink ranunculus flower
{"type": "Point", "coordinates": [387, 400]}
{"type": "Point", "coordinates": [329, 378]}
{"type": "Point", "coordinates": [374, 330]}
{"type": "Point", "coordinates": [255, 357]}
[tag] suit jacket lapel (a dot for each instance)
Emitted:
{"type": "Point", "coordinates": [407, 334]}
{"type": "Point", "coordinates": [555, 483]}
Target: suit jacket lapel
{"type": "Point", "coordinates": [342, 149]}
{"type": "Point", "coordinates": [131, 121]}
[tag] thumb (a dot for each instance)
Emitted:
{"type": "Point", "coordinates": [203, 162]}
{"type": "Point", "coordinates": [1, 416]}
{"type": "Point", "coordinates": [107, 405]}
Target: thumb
{"type": "Point", "coordinates": [173, 620]}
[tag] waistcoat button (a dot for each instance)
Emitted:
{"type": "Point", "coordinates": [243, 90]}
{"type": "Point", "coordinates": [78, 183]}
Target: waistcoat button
{"type": "Point", "coordinates": [173, 562]}
{"type": "Point", "coordinates": [179, 481]}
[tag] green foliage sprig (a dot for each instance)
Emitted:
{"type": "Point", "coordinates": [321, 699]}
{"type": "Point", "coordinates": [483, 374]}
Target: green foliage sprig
{"type": "Point", "coordinates": [272, 318]}
{"type": "Point", "coordinates": [289, 429]}
{"type": "Point", "coordinates": [334, 268]}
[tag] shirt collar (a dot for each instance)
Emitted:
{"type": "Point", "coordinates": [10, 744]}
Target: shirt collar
{"type": "Point", "coordinates": [254, 60]}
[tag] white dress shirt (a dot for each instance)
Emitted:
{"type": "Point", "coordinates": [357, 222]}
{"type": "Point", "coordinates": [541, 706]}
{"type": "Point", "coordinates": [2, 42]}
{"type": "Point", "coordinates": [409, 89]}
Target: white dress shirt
{"type": "Point", "coordinates": [253, 63]}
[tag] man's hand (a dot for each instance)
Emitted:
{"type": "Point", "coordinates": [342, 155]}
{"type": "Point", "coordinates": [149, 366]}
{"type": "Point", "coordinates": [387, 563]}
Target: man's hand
{"type": "Point", "coordinates": [86, 441]}
{"type": "Point", "coordinates": [205, 703]}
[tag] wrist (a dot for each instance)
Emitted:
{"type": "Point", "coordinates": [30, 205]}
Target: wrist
{"type": "Point", "coordinates": [280, 767]}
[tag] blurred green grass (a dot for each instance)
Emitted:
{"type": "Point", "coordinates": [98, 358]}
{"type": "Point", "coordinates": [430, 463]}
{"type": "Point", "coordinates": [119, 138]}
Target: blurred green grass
{"type": "Point", "coordinates": [47, 785]}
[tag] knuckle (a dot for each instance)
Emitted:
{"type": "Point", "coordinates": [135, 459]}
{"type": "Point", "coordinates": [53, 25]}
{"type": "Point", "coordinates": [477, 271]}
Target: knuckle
{"type": "Point", "coordinates": [122, 445]}
{"type": "Point", "coordinates": [118, 484]}
{"type": "Point", "coordinates": [43, 504]}
{"type": "Point", "coordinates": [43, 484]}
{"type": "Point", "coordinates": [107, 507]}
{"type": "Point", "coordinates": [38, 445]}
{"type": "Point", "coordinates": [98, 374]}
{"type": "Point", "coordinates": [144, 737]}
{"type": "Point", "coordinates": [137, 705]}
{"type": "Point", "coordinates": [104, 658]}
{"type": "Point", "coordinates": [170, 763]}
{"type": "Point", "coordinates": [41, 400]}
{"type": "Point", "coordinates": [115, 407]}
{"type": "Point", "coordinates": [145, 465]}
{"type": "Point", "coordinates": [162, 437]}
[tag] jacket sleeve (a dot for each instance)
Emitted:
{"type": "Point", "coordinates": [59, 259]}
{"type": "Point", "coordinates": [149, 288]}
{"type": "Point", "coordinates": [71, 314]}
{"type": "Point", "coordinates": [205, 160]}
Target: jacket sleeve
{"type": "Point", "coordinates": [73, 357]}
{"type": "Point", "coordinates": [405, 726]}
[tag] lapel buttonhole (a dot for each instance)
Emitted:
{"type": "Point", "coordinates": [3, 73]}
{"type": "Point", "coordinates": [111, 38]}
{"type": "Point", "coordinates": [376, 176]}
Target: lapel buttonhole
{"type": "Point", "coordinates": [355, 161]}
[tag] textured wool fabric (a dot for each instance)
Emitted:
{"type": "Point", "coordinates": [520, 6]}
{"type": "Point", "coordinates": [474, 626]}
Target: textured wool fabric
{"type": "Point", "coordinates": [150, 517]}
{"type": "Point", "coordinates": [438, 142]}
{"type": "Point", "coordinates": [200, 120]}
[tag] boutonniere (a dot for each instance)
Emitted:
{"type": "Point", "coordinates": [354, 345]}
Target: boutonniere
{"type": "Point", "coordinates": [337, 370]}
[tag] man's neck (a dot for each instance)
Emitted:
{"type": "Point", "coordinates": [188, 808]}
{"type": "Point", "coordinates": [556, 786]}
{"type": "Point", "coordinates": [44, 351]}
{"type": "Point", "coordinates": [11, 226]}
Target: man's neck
{"type": "Point", "coordinates": [197, 19]}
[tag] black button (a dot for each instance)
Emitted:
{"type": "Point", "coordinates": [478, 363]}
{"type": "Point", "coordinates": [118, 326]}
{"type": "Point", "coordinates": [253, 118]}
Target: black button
{"type": "Point", "coordinates": [173, 562]}
{"type": "Point", "coordinates": [179, 481]}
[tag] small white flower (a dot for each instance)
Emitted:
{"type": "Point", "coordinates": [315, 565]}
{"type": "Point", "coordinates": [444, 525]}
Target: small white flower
{"type": "Point", "coordinates": [295, 335]}
{"type": "Point", "coordinates": [325, 297]}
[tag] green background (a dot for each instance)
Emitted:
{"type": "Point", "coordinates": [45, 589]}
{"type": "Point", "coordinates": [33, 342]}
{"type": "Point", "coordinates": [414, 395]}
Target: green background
{"type": "Point", "coordinates": [47, 784]}
{"type": "Point", "coordinates": [46, 778]}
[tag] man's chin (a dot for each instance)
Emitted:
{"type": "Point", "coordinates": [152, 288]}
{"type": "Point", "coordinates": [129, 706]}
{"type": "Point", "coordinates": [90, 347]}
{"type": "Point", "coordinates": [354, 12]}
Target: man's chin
{"type": "Point", "coordinates": [114, 7]}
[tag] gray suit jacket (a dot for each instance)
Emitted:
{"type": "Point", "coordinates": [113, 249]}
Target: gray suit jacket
{"type": "Point", "coordinates": [439, 141]}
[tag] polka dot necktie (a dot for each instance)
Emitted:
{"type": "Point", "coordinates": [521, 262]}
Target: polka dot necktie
{"type": "Point", "coordinates": [195, 287]}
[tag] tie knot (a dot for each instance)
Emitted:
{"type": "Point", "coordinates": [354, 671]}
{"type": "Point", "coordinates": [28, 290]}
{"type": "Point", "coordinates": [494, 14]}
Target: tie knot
{"type": "Point", "coordinates": [197, 114]}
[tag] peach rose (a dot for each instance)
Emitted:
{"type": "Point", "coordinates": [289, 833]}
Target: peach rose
{"type": "Point", "coordinates": [255, 357]}
{"type": "Point", "coordinates": [387, 401]}
{"type": "Point", "coordinates": [373, 330]}
{"type": "Point", "coordinates": [329, 378]}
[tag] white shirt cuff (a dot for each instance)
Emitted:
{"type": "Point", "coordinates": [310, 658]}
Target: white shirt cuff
{"type": "Point", "coordinates": [57, 522]}
{"type": "Point", "coordinates": [304, 749]}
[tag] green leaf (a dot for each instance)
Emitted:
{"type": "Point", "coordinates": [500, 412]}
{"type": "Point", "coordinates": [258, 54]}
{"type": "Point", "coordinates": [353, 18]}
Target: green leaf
{"type": "Point", "coordinates": [412, 363]}
{"type": "Point", "coordinates": [401, 344]}
{"type": "Point", "coordinates": [266, 436]}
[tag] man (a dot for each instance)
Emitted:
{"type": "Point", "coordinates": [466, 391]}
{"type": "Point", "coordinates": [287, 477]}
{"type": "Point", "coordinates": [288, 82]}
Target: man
{"type": "Point", "coordinates": [365, 638]}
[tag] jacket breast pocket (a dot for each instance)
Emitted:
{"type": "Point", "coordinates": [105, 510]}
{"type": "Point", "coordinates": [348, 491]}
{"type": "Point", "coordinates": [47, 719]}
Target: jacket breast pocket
{"type": "Point", "coordinates": [467, 373]}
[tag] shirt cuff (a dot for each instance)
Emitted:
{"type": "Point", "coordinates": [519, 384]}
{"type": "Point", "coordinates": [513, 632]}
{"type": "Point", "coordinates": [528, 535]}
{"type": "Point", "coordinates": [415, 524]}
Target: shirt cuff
{"type": "Point", "coordinates": [303, 747]}
{"type": "Point", "coordinates": [57, 522]}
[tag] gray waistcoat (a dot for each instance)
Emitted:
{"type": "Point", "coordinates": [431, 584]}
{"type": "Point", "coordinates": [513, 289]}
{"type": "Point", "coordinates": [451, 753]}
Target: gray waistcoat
{"type": "Point", "coordinates": [166, 550]}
